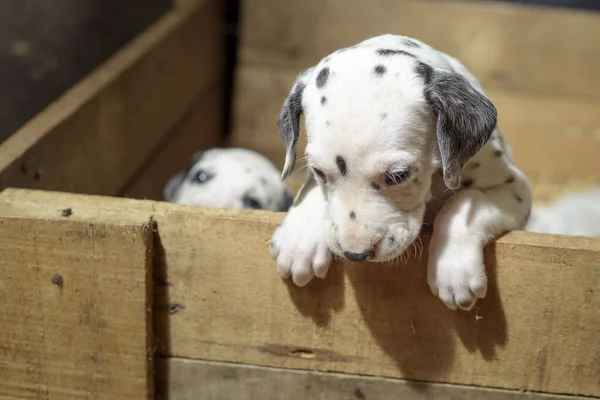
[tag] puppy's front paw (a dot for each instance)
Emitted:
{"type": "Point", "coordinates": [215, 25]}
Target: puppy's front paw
{"type": "Point", "coordinates": [299, 247]}
{"type": "Point", "coordinates": [457, 275]}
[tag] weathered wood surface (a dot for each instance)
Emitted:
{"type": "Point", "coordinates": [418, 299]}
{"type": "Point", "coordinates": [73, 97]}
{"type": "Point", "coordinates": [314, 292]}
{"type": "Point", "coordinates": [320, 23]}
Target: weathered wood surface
{"type": "Point", "coordinates": [48, 46]}
{"type": "Point", "coordinates": [218, 297]}
{"type": "Point", "coordinates": [93, 139]}
{"type": "Point", "coordinates": [184, 379]}
{"type": "Point", "coordinates": [546, 51]}
{"type": "Point", "coordinates": [199, 129]}
{"type": "Point", "coordinates": [75, 321]}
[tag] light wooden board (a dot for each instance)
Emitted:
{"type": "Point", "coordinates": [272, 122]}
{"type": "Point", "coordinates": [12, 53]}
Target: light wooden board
{"type": "Point", "coordinates": [95, 136]}
{"type": "Point", "coordinates": [199, 129]}
{"type": "Point", "coordinates": [556, 137]}
{"type": "Point", "coordinates": [75, 321]}
{"type": "Point", "coordinates": [218, 297]}
{"type": "Point", "coordinates": [183, 379]}
{"type": "Point", "coordinates": [546, 51]}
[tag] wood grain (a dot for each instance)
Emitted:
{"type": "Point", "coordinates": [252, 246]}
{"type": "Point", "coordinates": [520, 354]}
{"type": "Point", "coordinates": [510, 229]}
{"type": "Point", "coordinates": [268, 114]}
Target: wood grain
{"type": "Point", "coordinates": [75, 320]}
{"type": "Point", "coordinates": [199, 129]}
{"type": "Point", "coordinates": [218, 297]}
{"type": "Point", "coordinates": [554, 136]}
{"type": "Point", "coordinates": [94, 137]}
{"type": "Point", "coordinates": [47, 47]}
{"type": "Point", "coordinates": [545, 51]}
{"type": "Point", "coordinates": [183, 379]}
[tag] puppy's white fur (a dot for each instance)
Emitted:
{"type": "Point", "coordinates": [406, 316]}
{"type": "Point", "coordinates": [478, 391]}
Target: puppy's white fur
{"type": "Point", "coordinates": [233, 178]}
{"type": "Point", "coordinates": [379, 121]}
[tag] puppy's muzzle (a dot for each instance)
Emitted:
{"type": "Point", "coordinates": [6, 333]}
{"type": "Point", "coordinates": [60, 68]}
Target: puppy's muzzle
{"type": "Point", "coordinates": [358, 257]}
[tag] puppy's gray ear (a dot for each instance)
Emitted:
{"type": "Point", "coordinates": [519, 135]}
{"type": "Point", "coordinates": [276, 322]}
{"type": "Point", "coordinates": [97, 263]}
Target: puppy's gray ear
{"type": "Point", "coordinates": [465, 119]}
{"type": "Point", "coordinates": [172, 185]}
{"type": "Point", "coordinates": [288, 122]}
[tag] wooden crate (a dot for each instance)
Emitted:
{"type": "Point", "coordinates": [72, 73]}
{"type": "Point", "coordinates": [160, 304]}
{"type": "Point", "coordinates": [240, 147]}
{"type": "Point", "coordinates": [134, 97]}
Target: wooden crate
{"type": "Point", "coordinates": [136, 119]}
{"type": "Point", "coordinates": [108, 297]}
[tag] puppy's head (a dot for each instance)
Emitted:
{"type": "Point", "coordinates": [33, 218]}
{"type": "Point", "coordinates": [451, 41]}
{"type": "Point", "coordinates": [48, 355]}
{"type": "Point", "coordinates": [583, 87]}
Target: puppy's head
{"type": "Point", "coordinates": [379, 125]}
{"type": "Point", "coordinates": [229, 178]}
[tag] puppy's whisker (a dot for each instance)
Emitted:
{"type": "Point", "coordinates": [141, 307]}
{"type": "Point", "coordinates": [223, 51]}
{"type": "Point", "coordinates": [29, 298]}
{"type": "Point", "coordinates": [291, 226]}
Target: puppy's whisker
{"type": "Point", "coordinates": [420, 247]}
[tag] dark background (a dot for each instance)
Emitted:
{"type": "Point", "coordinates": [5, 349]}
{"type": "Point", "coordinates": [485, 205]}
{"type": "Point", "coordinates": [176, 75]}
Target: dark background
{"type": "Point", "coordinates": [46, 46]}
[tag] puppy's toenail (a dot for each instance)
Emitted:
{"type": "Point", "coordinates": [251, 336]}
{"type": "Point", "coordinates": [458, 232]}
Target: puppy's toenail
{"type": "Point", "coordinates": [465, 303]}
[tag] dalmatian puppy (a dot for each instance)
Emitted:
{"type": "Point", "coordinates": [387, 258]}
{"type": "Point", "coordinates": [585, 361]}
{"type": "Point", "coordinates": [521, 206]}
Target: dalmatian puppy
{"type": "Point", "coordinates": [574, 215]}
{"type": "Point", "coordinates": [233, 178]}
{"type": "Point", "coordinates": [399, 135]}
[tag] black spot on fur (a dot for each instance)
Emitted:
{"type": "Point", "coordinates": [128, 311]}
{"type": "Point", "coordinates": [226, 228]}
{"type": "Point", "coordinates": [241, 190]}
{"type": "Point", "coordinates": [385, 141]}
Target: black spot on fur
{"type": "Point", "coordinates": [510, 179]}
{"type": "Point", "coordinates": [498, 153]}
{"type": "Point", "coordinates": [375, 186]}
{"type": "Point", "coordinates": [383, 115]}
{"type": "Point", "coordinates": [392, 239]}
{"type": "Point", "coordinates": [424, 71]}
{"type": "Point", "coordinates": [392, 52]}
{"type": "Point", "coordinates": [352, 215]}
{"type": "Point", "coordinates": [323, 100]}
{"type": "Point", "coordinates": [341, 164]}
{"type": "Point", "coordinates": [323, 77]}
{"type": "Point", "coordinates": [475, 165]}
{"type": "Point", "coordinates": [321, 174]}
{"type": "Point", "coordinates": [518, 198]}
{"type": "Point", "coordinates": [379, 70]}
{"type": "Point", "coordinates": [468, 182]}
{"type": "Point", "coordinates": [410, 43]}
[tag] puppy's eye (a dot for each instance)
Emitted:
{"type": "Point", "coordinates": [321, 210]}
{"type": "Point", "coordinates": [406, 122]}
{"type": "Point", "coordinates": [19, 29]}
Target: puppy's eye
{"type": "Point", "coordinates": [396, 177]}
{"type": "Point", "coordinates": [201, 177]}
{"type": "Point", "coordinates": [251, 202]}
{"type": "Point", "coordinates": [320, 173]}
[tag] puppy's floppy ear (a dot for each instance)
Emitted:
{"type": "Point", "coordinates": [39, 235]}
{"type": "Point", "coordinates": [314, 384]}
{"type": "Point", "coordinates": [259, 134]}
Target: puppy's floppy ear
{"type": "Point", "coordinates": [172, 185]}
{"type": "Point", "coordinates": [465, 119]}
{"type": "Point", "coordinates": [288, 122]}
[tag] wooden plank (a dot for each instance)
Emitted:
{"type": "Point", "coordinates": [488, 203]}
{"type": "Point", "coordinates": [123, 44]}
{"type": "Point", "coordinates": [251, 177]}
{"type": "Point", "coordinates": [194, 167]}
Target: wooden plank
{"type": "Point", "coordinates": [183, 379]}
{"type": "Point", "coordinates": [507, 46]}
{"type": "Point", "coordinates": [218, 297]}
{"type": "Point", "coordinates": [47, 47]}
{"type": "Point", "coordinates": [199, 129]}
{"type": "Point", "coordinates": [556, 136]}
{"type": "Point", "coordinates": [75, 320]}
{"type": "Point", "coordinates": [95, 136]}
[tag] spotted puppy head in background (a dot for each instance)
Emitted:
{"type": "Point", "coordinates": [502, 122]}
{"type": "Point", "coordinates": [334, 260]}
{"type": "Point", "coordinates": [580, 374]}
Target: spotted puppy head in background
{"type": "Point", "coordinates": [232, 178]}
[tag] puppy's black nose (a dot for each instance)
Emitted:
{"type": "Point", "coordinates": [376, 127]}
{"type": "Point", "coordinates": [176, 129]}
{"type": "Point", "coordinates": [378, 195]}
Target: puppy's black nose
{"type": "Point", "coordinates": [357, 257]}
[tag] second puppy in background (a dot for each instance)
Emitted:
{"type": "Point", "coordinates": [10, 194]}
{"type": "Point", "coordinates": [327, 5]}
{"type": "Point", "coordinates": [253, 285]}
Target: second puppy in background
{"type": "Point", "coordinates": [577, 214]}
{"type": "Point", "coordinates": [233, 178]}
